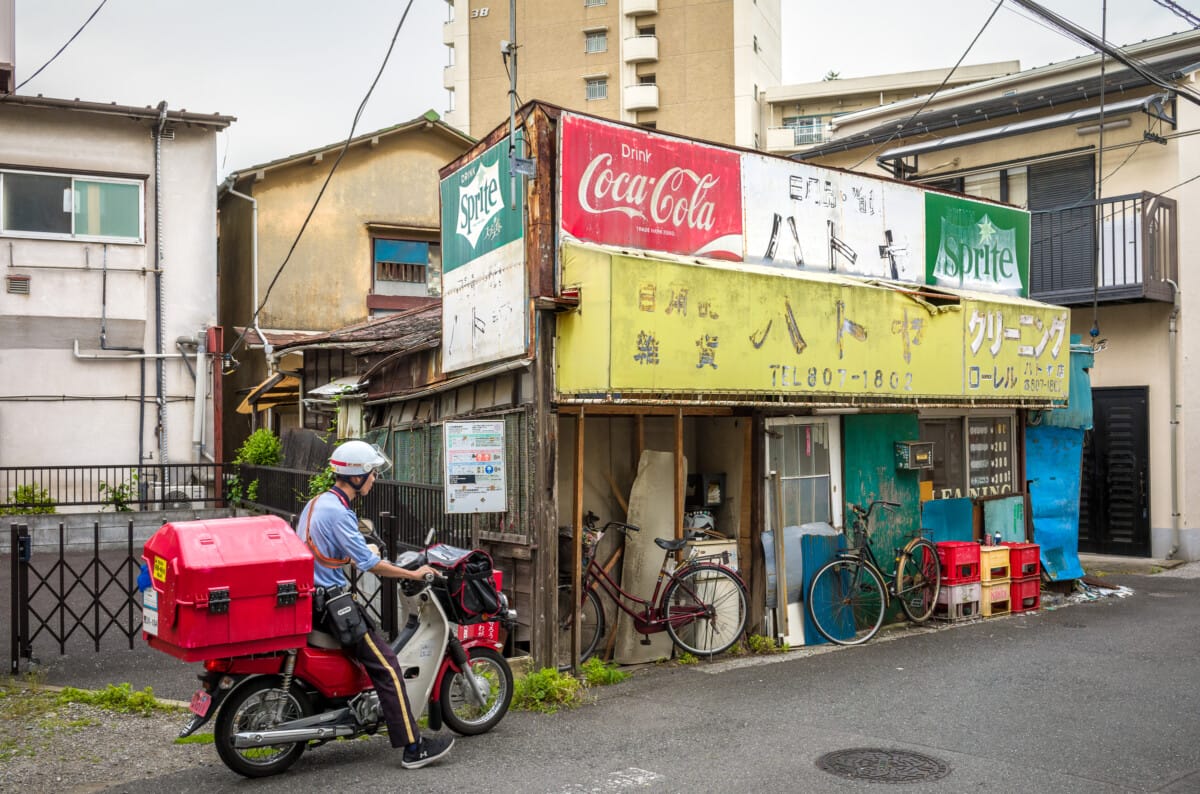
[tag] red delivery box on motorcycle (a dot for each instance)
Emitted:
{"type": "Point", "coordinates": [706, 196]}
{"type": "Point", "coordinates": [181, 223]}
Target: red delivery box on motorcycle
{"type": "Point", "coordinates": [227, 587]}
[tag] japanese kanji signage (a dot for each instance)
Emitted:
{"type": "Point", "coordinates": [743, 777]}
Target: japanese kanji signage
{"type": "Point", "coordinates": [475, 463]}
{"type": "Point", "coordinates": [652, 326]}
{"type": "Point", "coordinates": [484, 302]}
{"type": "Point", "coordinates": [626, 187]}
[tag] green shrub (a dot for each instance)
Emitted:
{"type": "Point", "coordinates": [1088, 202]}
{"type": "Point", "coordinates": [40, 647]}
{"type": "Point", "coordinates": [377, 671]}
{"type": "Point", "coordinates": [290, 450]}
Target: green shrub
{"type": "Point", "coordinates": [40, 499]}
{"type": "Point", "coordinates": [596, 672]}
{"type": "Point", "coordinates": [546, 691]}
{"type": "Point", "coordinates": [119, 496]}
{"type": "Point", "coordinates": [319, 483]}
{"type": "Point", "coordinates": [262, 448]}
{"type": "Point", "coordinates": [687, 658]}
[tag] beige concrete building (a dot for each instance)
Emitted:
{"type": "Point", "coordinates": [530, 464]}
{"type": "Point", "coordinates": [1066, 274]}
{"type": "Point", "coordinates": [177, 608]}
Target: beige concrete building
{"type": "Point", "coordinates": [1109, 180]}
{"type": "Point", "coordinates": [694, 67]}
{"type": "Point", "coordinates": [371, 247]}
{"type": "Point", "coordinates": [800, 116]}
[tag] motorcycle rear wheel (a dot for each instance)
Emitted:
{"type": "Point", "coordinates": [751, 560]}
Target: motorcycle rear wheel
{"type": "Point", "coordinates": [255, 706]}
{"type": "Point", "coordinates": [459, 710]}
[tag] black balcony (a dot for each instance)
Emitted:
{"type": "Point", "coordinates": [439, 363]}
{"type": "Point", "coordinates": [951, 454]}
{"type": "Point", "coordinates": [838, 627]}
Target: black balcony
{"type": "Point", "coordinates": [1116, 250]}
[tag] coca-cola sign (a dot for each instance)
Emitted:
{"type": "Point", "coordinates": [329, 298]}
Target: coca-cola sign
{"type": "Point", "coordinates": [623, 187]}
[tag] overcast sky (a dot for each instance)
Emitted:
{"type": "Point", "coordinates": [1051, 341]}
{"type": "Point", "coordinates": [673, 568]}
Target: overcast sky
{"type": "Point", "coordinates": [294, 72]}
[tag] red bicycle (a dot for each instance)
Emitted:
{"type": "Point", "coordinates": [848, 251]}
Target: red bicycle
{"type": "Point", "coordinates": [702, 605]}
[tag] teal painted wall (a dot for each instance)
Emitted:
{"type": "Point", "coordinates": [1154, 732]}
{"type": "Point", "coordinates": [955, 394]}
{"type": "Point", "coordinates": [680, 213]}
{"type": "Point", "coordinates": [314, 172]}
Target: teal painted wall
{"type": "Point", "coordinates": [871, 473]}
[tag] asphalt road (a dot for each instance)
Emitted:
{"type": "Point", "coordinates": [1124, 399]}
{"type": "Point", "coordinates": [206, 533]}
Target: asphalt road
{"type": "Point", "coordinates": [1094, 697]}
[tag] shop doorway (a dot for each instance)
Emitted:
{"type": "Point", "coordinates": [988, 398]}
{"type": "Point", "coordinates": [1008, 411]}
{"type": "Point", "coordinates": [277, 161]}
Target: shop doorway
{"type": "Point", "coordinates": [804, 487]}
{"type": "Point", "coordinates": [1114, 498]}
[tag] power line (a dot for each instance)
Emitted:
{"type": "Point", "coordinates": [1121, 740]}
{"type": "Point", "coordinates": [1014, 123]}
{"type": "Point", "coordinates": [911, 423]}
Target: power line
{"type": "Point", "coordinates": [63, 47]}
{"type": "Point", "coordinates": [1180, 12]}
{"type": "Point", "coordinates": [345, 146]}
{"type": "Point", "coordinates": [929, 98]}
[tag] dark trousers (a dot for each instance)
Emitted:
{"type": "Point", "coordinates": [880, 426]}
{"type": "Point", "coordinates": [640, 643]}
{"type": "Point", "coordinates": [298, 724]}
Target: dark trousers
{"type": "Point", "coordinates": [379, 659]}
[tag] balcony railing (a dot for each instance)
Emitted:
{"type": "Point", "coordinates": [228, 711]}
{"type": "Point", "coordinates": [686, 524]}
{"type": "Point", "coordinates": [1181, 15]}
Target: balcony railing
{"type": "Point", "coordinates": [641, 49]}
{"type": "Point", "coordinates": [1118, 249]}
{"type": "Point", "coordinates": [790, 138]}
{"type": "Point", "coordinates": [635, 8]}
{"type": "Point", "coordinates": [641, 97]}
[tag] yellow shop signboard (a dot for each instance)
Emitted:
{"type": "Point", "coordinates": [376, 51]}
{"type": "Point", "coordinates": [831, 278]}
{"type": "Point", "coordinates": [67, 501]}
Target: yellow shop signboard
{"type": "Point", "coordinates": [651, 326]}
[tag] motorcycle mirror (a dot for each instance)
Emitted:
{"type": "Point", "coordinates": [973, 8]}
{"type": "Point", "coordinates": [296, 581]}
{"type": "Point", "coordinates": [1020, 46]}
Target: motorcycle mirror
{"type": "Point", "coordinates": [429, 537]}
{"type": "Point", "coordinates": [366, 526]}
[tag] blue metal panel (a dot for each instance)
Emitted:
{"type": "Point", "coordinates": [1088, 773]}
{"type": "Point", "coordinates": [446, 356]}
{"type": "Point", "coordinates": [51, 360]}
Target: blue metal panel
{"type": "Point", "coordinates": [1053, 461]}
{"type": "Point", "coordinates": [1078, 412]}
{"type": "Point", "coordinates": [948, 519]}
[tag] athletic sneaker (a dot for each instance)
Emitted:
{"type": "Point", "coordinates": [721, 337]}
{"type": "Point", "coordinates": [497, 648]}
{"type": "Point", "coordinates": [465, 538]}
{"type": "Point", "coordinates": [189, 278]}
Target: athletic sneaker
{"type": "Point", "coordinates": [429, 750]}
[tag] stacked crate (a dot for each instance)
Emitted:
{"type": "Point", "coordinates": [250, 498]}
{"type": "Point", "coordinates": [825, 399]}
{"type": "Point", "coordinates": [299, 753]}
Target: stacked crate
{"type": "Point", "coordinates": [1025, 564]}
{"type": "Point", "coordinates": [959, 595]}
{"type": "Point", "coordinates": [995, 571]}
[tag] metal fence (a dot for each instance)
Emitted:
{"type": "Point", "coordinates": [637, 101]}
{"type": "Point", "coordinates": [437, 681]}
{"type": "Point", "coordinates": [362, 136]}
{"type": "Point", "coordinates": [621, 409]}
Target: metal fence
{"type": "Point", "coordinates": [411, 508]}
{"type": "Point", "coordinates": [69, 600]}
{"type": "Point", "coordinates": [45, 489]}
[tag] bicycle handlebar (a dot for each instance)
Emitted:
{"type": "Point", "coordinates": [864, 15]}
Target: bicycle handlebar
{"type": "Point", "coordinates": [621, 525]}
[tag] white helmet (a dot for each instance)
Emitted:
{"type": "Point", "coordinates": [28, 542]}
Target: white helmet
{"type": "Point", "coordinates": [353, 458]}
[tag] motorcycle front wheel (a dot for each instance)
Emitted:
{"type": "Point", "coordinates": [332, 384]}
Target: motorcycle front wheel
{"type": "Point", "coordinates": [257, 706]}
{"type": "Point", "coordinates": [459, 707]}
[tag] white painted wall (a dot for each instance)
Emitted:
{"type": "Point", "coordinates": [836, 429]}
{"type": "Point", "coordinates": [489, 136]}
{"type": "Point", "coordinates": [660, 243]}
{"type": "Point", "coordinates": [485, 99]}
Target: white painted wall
{"type": "Point", "coordinates": [763, 69]}
{"type": "Point", "coordinates": [55, 408]}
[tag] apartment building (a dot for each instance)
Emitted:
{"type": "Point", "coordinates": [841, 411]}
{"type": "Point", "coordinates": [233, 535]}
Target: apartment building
{"type": "Point", "coordinates": [693, 67]}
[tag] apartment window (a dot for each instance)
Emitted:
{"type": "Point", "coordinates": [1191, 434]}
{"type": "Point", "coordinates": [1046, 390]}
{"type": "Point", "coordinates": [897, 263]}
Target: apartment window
{"type": "Point", "coordinates": [597, 88]}
{"type": "Point", "coordinates": [647, 79]}
{"type": "Point", "coordinates": [596, 41]}
{"type": "Point", "coordinates": [404, 260]}
{"type": "Point", "coordinates": [646, 30]}
{"type": "Point", "coordinates": [70, 207]}
{"type": "Point", "coordinates": [590, 3]}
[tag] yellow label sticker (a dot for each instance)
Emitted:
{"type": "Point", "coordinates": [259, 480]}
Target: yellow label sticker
{"type": "Point", "coordinates": [160, 569]}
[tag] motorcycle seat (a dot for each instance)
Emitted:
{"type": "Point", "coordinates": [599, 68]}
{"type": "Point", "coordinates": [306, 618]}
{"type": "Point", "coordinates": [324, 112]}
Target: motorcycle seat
{"type": "Point", "coordinates": [321, 639]}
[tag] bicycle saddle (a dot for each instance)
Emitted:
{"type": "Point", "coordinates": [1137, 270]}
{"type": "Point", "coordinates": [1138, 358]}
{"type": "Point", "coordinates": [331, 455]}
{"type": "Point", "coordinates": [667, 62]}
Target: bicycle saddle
{"type": "Point", "coordinates": [671, 545]}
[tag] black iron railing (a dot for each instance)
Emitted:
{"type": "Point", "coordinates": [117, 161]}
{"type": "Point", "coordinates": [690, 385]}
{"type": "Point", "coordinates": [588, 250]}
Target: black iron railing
{"type": "Point", "coordinates": [1122, 248]}
{"type": "Point", "coordinates": [112, 487]}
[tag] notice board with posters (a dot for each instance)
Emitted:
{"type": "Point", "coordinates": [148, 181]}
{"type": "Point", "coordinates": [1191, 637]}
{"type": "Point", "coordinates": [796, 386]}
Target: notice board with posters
{"type": "Point", "coordinates": [475, 462]}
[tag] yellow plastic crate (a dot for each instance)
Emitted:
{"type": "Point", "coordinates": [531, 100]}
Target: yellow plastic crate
{"type": "Point", "coordinates": [994, 564]}
{"type": "Point", "coordinates": [997, 598]}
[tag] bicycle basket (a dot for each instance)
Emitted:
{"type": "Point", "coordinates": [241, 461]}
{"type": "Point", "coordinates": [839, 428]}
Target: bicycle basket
{"type": "Point", "coordinates": [470, 594]}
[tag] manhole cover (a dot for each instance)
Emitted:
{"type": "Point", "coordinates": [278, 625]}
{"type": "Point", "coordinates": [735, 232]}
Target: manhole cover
{"type": "Point", "coordinates": [883, 766]}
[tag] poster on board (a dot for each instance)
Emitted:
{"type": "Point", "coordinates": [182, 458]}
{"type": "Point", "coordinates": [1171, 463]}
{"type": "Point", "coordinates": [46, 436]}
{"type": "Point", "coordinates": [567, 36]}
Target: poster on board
{"type": "Point", "coordinates": [475, 462]}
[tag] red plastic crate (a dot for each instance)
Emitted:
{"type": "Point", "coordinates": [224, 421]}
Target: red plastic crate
{"type": "Point", "coordinates": [1026, 594]}
{"type": "Point", "coordinates": [960, 562]}
{"type": "Point", "coordinates": [1025, 560]}
{"type": "Point", "coordinates": [227, 587]}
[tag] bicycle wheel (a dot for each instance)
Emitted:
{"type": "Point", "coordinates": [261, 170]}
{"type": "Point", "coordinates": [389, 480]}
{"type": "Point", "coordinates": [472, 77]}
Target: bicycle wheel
{"type": "Point", "coordinates": [705, 608]}
{"type": "Point", "coordinates": [846, 601]}
{"type": "Point", "coordinates": [591, 625]}
{"type": "Point", "coordinates": [918, 577]}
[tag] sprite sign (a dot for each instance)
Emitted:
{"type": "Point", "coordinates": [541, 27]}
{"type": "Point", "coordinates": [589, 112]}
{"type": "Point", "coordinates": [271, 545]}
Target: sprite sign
{"type": "Point", "coordinates": [976, 246]}
{"type": "Point", "coordinates": [478, 213]}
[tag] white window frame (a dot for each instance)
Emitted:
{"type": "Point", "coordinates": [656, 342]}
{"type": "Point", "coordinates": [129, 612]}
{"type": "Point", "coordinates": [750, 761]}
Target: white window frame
{"type": "Point", "coordinates": [600, 83]}
{"type": "Point", "coordinates": [591, 3]}
{"type": "Point", "coordinates": [595, 41]}
{"type": "Point", "coordinates": [99, 238]}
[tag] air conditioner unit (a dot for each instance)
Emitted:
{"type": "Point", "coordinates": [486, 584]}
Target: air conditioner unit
{"type": "Point", "coordinates": [164, 496]}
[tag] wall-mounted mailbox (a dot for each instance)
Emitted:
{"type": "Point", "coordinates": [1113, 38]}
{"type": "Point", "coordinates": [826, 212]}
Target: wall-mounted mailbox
{"type": "Point", "coordinates": [914, 455]}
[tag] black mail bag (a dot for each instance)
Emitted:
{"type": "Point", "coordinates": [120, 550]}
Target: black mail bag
{"type": "Point", "coordinates": [470, 594]}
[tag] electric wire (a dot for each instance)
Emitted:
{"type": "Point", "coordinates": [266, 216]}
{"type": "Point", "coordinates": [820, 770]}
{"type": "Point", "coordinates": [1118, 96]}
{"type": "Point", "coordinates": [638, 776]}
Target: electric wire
{"type": "Point", "coordinates": [1180, 12]}
{"type": "Point", "coordinates": [63, 47]}
{"type": "Point", "coordinates": [929, 98]}
{"type": "Point", "coordinates": [316, 202]}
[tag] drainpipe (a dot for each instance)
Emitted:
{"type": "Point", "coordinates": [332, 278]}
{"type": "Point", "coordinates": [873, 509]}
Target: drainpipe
{"type": "Point", "coordinates": [160, 314]}
{"type": "Point", "coordinates": [201, 399]}
{"type": "Point", "coordinates": [105, 346]}
{"type": "Point", "coordinates": [268, 351]}
{"type": "Point", "coordinates": [1172, 368]}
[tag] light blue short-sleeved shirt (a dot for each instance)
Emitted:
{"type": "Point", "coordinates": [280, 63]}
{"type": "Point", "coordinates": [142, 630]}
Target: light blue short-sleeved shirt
{"type": "Point", "coordinates": [335, 533]}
